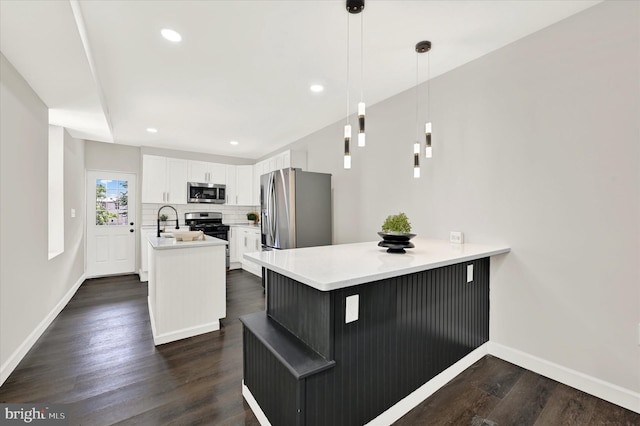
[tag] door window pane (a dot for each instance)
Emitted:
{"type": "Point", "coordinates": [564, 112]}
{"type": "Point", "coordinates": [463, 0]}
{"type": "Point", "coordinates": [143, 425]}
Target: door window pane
{"type": "Point", "coordinates": [112, 202]}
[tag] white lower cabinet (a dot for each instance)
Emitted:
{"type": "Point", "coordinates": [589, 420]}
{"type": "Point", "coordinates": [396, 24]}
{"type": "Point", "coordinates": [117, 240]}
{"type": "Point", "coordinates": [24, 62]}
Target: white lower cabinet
{"type": "Point", "coordinates": [144, 252]}
{"type": "Point", "coordinates": [244, 239]}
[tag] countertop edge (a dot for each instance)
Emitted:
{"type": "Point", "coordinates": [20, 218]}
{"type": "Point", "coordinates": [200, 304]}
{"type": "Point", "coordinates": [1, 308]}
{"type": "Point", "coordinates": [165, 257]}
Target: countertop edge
{"type": "Point", "coordinates": [172, 244]}
{"type": "Point", "coordinates": [375, 276]}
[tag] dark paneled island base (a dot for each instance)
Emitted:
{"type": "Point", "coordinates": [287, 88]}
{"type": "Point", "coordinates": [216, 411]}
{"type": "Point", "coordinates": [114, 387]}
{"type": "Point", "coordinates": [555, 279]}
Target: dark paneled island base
{"type": "Point", "coordinates": [305, 365]}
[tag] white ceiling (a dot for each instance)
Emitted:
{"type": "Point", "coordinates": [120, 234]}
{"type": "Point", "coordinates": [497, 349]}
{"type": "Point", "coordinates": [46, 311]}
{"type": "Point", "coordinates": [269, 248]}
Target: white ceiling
{"type": "Point", "coordinates": [243, 69]}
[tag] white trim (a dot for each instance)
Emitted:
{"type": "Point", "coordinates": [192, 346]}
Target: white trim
{"type": "Point", "coordinates": [7, 368]}
{"type": "Point", "coordinates": [589, 384]}
{"type": "Point", "coordinates": [160, 339]}
{"type": "Point", "coordinates": [253, 404]}
{"type": "Point", "coordinates": [408, 403]}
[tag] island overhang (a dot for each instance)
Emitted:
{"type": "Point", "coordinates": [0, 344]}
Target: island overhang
{"type": "Point", "coordinates": [333, 267]}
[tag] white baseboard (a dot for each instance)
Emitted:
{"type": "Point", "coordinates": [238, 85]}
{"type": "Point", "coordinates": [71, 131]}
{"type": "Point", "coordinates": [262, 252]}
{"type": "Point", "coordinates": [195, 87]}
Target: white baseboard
{"type": "Point", "coordinates": [7, 368]}
{"type": "Point", "coordinates": [588, 384]}
{"type": "Point", "coordinates": [412, 400]}
{"type": "Point", "coordinates": [253, 404]}
{"type": "Point", "coordinates": [144, 275]}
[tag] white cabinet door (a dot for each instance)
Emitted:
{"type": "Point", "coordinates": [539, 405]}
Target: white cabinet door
{"type": "Point", "coordinates": [244, 185]}
{"type": "Point", "coordinates": [164, 180]}
{"type": "Point", "coordinates": [234, 244]}
{"type": "Point", "coordinates": [176, 181]}
{"type": "Point", "coordinates": [205, 172]}
{"type": "Point", "coordinates": [218, 173]}
{"type": "Point", "coordinates": [254, 240]}
{"type": "Point", "coordinates": [199, 171]}
{"type": "Point", "coordinates": [251, 243]}
{"type": "Point", "coordinates": [154, 179]}
{"type": "Point", "coordinates": [232, 187]}
{"type": "Point", "coordinates": [144, 252]}
{"type": "Point", "coordinates": [258, 170]}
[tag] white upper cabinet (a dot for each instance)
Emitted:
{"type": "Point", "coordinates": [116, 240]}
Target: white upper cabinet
{"type": "Point", "coordinates": [204, 172]}
{"type": "Point", "coordinates": [240, 185]}
{"type": "Point", "coordinates": [244, 182]}
{"type": "Point", "coordinates": [164, 180]}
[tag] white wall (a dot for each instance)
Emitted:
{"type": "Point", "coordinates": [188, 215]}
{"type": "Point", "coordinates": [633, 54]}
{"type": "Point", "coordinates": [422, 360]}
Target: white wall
{"type": "Point", "coordinates": [535, 145]}
{"type": "Point", "coordinates": [32, 288]}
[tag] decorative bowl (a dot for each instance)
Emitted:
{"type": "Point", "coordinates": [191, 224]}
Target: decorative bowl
{"type": "Point", "coordinates": [396, 242]}
{"type": "Point", "coordinates": [188, 235]}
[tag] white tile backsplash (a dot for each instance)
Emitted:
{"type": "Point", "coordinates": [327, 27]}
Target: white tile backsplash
{"type": "Point", "coordinates": [230, 214]}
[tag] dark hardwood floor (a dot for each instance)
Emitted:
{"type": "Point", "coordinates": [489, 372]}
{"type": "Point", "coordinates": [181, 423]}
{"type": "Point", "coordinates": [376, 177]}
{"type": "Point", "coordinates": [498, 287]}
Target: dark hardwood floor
{"type": "Point", "coordinates": [494, 392]}
{"type": "Point", "coordinates": [98, 357]}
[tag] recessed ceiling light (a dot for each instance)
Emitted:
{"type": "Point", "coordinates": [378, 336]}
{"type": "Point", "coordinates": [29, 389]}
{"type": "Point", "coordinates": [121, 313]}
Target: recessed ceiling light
{"type": "Point", "coordinates": [317, 88]}
{"type": "Point", "coordinates": [171, 35]}
{"type": "Point", "coordinates": [234, 142]}
{"type": "Point", "coordinates": [152, 130]}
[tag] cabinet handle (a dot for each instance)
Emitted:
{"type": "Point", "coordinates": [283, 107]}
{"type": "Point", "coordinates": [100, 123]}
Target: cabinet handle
{"type": "Point", "coordinates": [245, 241]}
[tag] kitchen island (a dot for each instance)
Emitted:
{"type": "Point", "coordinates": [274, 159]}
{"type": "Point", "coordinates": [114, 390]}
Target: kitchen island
{"type": "Point", "coordinates": [351, 330]}
{"type": "Point", "coordinates": [187, 287]}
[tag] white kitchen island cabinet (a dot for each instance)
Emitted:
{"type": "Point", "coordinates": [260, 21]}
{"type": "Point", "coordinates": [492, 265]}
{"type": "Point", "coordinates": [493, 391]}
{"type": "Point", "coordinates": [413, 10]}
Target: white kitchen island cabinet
{"type": "Point", "coordinates": [187, 287]}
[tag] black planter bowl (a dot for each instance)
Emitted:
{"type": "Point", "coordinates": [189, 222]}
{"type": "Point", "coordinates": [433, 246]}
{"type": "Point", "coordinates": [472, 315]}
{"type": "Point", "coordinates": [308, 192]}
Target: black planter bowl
{"type": "Point", "coordinates": [396, 243]}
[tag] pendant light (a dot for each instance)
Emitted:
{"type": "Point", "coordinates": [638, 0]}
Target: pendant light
{"type": "Point", "coordinates": [416, 144]}
{"type": "Point", "coordinates": [422, 47]}
{"type": "Point", "coordinates": [353, 6]}
{"type": "Point", "coordinates": [361, 135]}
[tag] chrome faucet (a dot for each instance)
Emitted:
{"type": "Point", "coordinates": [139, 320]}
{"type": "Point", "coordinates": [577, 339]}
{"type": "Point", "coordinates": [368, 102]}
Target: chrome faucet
{"type": "Point", "coordinates": [158, 220]}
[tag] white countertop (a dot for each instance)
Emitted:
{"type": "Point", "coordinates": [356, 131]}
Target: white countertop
{"type": "Point", "coordinates": [163, 243]}
{"type": "Point", "coordinates": [245, 225]}
{"type": "Point", "coordinates": [328, 268]}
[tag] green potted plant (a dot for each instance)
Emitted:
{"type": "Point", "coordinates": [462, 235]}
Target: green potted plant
{"type": "Point", "coordinates": [397, 224]}
{"type": "Point", "coordinates": [396, 233]}
{"type": "Point", "coordinates": [253, 216]}
{"type": "Point", "coordinates": [163, 221]}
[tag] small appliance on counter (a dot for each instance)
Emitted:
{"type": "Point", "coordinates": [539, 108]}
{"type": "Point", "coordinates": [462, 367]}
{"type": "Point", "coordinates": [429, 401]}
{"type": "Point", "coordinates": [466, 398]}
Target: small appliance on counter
{"type": "Point", "coordinates": [211, 224]}
{"type": "Point", "coordinates": [211, 193]}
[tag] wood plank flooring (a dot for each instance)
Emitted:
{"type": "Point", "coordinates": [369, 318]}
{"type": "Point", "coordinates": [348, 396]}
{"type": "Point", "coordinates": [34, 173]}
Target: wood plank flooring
{"type": "Point", "coordinates": [494, 392]}
{"type": "Point", "coordinates": [98, 356]}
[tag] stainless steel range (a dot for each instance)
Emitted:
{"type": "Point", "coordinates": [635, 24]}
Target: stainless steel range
{"type": "Point", "coordinates": [210, 223]}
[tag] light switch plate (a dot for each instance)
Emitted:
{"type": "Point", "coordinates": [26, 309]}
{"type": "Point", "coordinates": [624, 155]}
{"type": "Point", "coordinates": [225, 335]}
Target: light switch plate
{"type": "Point", "coordinates": [469, 273]}
{"type": "Point", "coordinates": [456, 237]}
{"type": "Point", "coordinates": [351, 308]}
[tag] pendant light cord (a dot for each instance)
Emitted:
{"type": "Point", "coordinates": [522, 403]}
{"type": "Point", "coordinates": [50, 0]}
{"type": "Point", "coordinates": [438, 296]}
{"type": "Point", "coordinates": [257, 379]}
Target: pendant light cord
{"type": "Point", "coordinates": [361, 55]}
{"type": "Point", "coordinates": [348, 68]}
{"type": "Point", "coordinates": [417, 99]}
{"type": "Point", "coordinates": [428, 84]}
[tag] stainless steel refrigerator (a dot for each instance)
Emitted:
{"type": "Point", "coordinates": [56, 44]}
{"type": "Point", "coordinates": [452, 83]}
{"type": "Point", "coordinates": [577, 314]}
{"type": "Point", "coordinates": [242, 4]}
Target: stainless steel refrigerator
{"type": "Point", "coordinates": [296, 209]}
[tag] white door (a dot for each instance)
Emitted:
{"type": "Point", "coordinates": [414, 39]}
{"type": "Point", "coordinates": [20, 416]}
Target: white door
{"type": "Point", "coordinates": [111, 236]}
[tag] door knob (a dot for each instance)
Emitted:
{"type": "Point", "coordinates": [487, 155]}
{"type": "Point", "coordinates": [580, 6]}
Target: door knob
{"type": "Point", "coordinates": [130, 230]}
{"type": "Point", "coordinates": [131, 223]}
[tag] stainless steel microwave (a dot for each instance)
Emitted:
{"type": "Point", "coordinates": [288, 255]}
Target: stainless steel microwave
{"type": "Point", "coordinates": [212, 193]}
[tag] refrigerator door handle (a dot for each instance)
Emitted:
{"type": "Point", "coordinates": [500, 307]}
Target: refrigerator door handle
{"type": "Point", "coordinates": [273, 209]}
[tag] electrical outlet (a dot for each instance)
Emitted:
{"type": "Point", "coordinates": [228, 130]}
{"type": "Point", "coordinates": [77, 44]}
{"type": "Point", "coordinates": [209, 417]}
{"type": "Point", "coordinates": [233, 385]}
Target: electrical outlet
{"type": "Point", "coordinates": [456, 237]}
{"type": "Point", "coordinates": [73, 212]}
{"type": "Point", "coordinates": [351, 308]}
